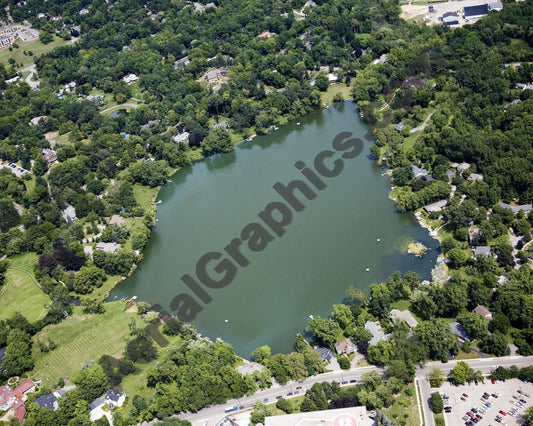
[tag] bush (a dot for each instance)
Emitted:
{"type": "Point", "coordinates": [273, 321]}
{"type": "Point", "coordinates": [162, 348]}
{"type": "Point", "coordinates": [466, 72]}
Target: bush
{"type": "Point", "coordinates": [435, 401]}
{"type": "Point", "coordinates": [344, 362]}
{"type": "Point", "coordinates": [284, 405]}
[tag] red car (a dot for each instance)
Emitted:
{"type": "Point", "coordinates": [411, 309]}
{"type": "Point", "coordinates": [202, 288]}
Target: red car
{"type": "Point", "coordinates": [493, 381]}
{"type": "Point", "coordinates": [503, 413]}
{"type": "Point", "coordinates": [465, 395]}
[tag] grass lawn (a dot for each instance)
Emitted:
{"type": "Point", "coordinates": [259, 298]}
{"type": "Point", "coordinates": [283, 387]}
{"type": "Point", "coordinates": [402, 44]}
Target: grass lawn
{"type": "Point", "coordinates": [404, 410]}
{"type": "Point", "coordinates": [466, 355]}
{"type": "Point", "coordinates": [35, 46]}
{"type": "Point", "coordinates": [127, 106]}
{"type": "Point", "coordinates": [327, 96]}
{"type": "Point", "coordinates": [145, 196]}
{"type": "Point", "coordinates": [20, 293]}
{"type": "Point", "coordinates": [401, 305]}
{"type": "Point", "coordinates": [81, 338]}
{"type": "Point", "coordinates": [102, 292]}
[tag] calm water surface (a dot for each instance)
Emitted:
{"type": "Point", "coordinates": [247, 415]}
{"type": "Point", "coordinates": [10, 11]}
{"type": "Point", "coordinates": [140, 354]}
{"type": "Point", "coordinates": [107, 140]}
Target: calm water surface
{"type": "Point", "coordinates": [328, 246]}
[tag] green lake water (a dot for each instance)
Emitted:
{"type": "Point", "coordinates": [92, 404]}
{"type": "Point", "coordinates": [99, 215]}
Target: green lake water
{"type": "Point", "coordinates": [327, 246]}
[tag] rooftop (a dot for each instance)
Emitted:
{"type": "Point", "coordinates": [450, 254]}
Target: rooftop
{"type": "Point", "coordinates": [405, 316]}
{"type": "Point", "coordinates": [341, 416]}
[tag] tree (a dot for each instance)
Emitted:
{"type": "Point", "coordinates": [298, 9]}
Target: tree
{"type": "Point", "coordinates": [9, 216]}
{"type": "Point", "coordinates": [436, 378]}
{"type": "Point", "coordinates": [141, 349]}
{"type": "Point", "coordinates": [343, 315]}
{"type": "Point", "coordinates": [87, 279]}
{"type": "Point", "coordinates": [259, 413]}
{"type": "Point", "coordinates": [322, 82]}
{"type": "Point", "coordinates": [344, 362]}
{"type": "Point", "coordinates": [216, 141]}
{"type": "Point", "coordinates": [262, 354]}
{"type": "Point", "coordinates": [476, 325]}
{"type": "Point", "coordinates": [92, 382]}
{"type": "Point", "coordinates": [437, 336]}
{"type": "Point", "coordinates": [285, 405]}
{"type": "Point", "coordinates": [380, 299]}
{"type": "Point", "coordinates": [17, 359]}
{"type": "Point", "coordinates": [436, 403]}
{"type": "Point", "coordinates": [380, 353]}
{"type": "Point", "coordinates": [326, 331]}
{"type": "Point", "coordinates": [495, 344]}
{"type": "Point", "coordinates": [461, 372]}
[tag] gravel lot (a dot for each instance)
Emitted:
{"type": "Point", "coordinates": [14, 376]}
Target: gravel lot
{"type": "Point", "coordinates": [505, 401]}
{"type": "Point", "coordinates": [410, 11]}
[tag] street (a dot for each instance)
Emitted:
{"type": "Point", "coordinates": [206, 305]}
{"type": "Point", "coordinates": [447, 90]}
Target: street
{"type": "Point", "coordinates": [211, 415]}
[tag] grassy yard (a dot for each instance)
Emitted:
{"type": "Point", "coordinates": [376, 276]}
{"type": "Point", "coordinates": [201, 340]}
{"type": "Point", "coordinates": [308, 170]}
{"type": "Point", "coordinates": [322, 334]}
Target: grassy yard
{"type": "Point", "coordinates": [128, 105]}
{"type": "Point", "coordinates": [81, 338]}
{"type": "Point", "coordinates": [327, 96]}
{"type": "Point", "coordinates": [35, 46]}
{"type": "Point", "coordinates": [145, 196]}
{"type": "Point", "coordinates": [20, 293]}
{"type": "Point", "coordinates": [404, 410]}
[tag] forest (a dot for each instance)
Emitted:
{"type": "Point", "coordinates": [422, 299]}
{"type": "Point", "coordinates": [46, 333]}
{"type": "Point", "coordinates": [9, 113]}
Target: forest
{"type": "Point", "coordinates": [215, 75]}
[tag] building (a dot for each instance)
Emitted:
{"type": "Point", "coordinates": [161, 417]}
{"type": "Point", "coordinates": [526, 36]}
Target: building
{"type": "Point", "coordinates": [475, 177]}
{"type": "Point", "coordinates": [459, 331]}
{"type": "Point", "coordinates": [325, 354]}
{"type": "Point", "coordinates": [497, 6]}
{"type": "Point", "coordinates": [130, 78]}
{"type": "Point", "coordinates": [460, 166]}
{"type": "Point", "coordinates": [345, 347]}
{"type": "Point", "coordinates": [182, 63]}
{"type": "Point", "coordinates": [108, 247]}
{"type": "Point", "coordinates": [526, 208]}
{"type": "Point", "coordinates": [223, 124]}
{"type": "Point", "coordinates": [399, 127]}
{"type": "Point", "coordinates": [116, 220]}
{"type": "Point", "coordinates": [421, 173]}
{"type": "Point", "coordinates": [483, 311]}
{"type": "Point", "coordinates": [482, 251]}
{"type": "Point", "coordinates": [450, 19]}
{"type": "Point", "coordinates": [377, 333]}
{"type": "Point", "coordinates": [69, 214]}
{"type": "Point", "coordinates": [436, 206]}
{"type": "Point", "coordinates": [49, 155]}
{"type": "Point", "coordinates": [113, 398]}
{"type": "Point", "coordinates": [226, 421]}
{"type": "Point", "coordinates": [333, 78]}
{"type": "Point", "coordinates": [475, 12]}
{"type": "Point", "coordinates": [266, 34]}
{"type": "Point", "coordinates": [405, 316]}
{"type": "Point", "coordinates": [181, 137]}
{"type": "Point", "coordinates": [351, 416]}
{"type": "Point", "coordinates": [12, 400]}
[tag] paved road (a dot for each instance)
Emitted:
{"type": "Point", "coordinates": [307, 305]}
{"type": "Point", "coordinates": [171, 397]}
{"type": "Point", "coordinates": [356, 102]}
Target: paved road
{"type": "Point", "coordinates": [213, 414]}
{"type": "Point", "coordinates": [423, 125]}
{"type": "Point", "coordinates": [117, 107]}
{"type": "Point", "coordinates": [33, 84]}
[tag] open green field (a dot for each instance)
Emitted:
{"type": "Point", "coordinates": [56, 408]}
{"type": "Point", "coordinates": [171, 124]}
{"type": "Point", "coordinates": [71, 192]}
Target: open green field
{"type": "Point", "coordinates": [130, 104]}
{"type": "Point", "coordinates": [80, 338]}
{"type": "Point", "coordinates": [35, 46]}
{"type": "Point", "coordinates": [20, 292]}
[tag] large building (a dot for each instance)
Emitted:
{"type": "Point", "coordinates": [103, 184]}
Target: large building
{"type": "Point", "coordinates": [352, 416]}
{"type": "Point", "coordinates": [475, 12]}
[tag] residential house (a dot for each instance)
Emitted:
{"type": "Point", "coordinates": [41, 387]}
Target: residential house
{"type": "Point", "coordinates": [108, 247]}
{"type": "Point", "coordinates": [473, 235]}
{"type": "Point", "coordinates": [483, 311]}
{"type": "Point", "coordinates": [116, 220]}
{"type": "Point", "coordinates": [113, 398]}
{"type": "Point", "coordinates": [526, 208]}
{"type": "Point", "coordinates": [377, 333]}
{"type": "Point", "coordinates": [182, 63]}
{"type": "Point", "coordinates": [405, 316]}
{"type": "Point", "coordinates": [475, 177]}
{"type": "Point", "coordinates": [12, 400]}
{"type": "Point", "coordinates": [497, 6]}
{"type": "Point", "coordinates": [333, 78]}
{"type": "Point", "coordinates": [266, 34]}
{"type": "Point", "coordinates": [436, 206]}
{"type": "Point", "coordinates": [421, 173]}
{"type": "Point", "coordinates": [223, 124]}
{"type": "Point", "coordinates": [49, 155]}
{"type": "Point", "coordinates": [35, 120]}
{"type": "Point", "coordinates": [345, 347]}
{"type": "Point", "coordinates": [181, 137]}
{"type": "Point", "coordinates": [325, 353]}
{"type": "Point", "coordinates": [130, 78]}
{"type": "Point", "coordinates": [459, 331]}
{"type": "Point", "coordinates": [460, 166]}
{"type": "Point", "coordinates": [482, 251]}
{"type": "Point", "coordinates": [399, 127]}
{"type": "Point", "coordinates": [69, 214]}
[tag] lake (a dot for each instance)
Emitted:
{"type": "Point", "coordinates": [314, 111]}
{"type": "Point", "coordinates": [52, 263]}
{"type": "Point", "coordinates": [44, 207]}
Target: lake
{"type": "Point", "coordinates": [349, 233]}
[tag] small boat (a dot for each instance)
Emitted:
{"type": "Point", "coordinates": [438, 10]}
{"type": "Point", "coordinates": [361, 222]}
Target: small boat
{"type": "Point", "coordinates": [367, 269]}
{"type": "Point", "coordinates": [378, 240]}
{"type": "Point", "coordinates": [158, 202]}
{"type": "Point", "coordinates": [311, 317]}
{"type": "Point", "coordinates": [226, 321]}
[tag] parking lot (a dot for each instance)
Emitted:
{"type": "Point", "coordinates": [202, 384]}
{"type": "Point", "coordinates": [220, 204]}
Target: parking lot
{"type": "Point", "coordinates": [504, 396]}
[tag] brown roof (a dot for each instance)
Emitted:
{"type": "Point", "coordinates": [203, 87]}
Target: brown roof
{"type": "Point", "coordinates": [345, 347]}
{"type": "Point", "coordinates": [482, 310]}
{"type": "Point", "coordinates": [116, 220]}
{"type": "Point", "coordinates": [24, 387]}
